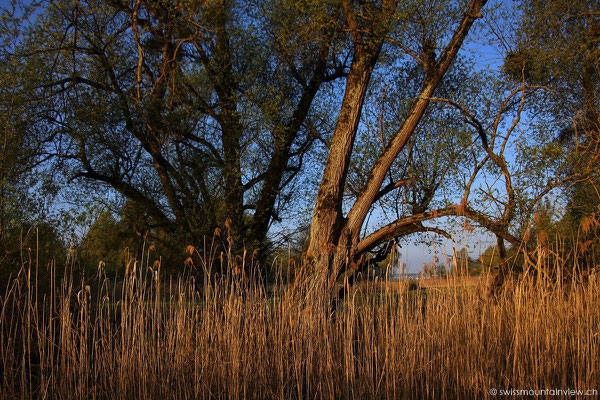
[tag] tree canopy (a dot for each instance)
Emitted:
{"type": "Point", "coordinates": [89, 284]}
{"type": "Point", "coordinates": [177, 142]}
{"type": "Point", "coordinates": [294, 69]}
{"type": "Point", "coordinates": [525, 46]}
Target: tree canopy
{"type": "Point", "coordinates": [230, 116]}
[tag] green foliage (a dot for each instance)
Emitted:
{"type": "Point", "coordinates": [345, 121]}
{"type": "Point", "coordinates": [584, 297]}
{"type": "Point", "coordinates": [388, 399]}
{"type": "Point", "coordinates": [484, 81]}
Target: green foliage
{"type": "Point", "coordinates": [523, 65]}
{"type": "Point", "coordinates": [490, 262]}
{"type": "Point", "coordinates": [110, 242]}
{"type": "Point", "coordinates": [114, 242]}
{"type": "Point", "coordinates": [38, 247]}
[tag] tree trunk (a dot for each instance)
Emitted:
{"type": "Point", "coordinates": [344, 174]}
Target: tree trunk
{"type": "Point", "coordinates": [284, 138]}
{"type": "Point", "coordinates": [500, 278]}
{"type": "Point", "coordinates": [331, 244]}
{"type": "Point", "coordinates": [334, 239]}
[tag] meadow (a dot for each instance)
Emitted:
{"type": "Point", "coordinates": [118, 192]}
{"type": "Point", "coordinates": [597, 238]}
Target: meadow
{"type": "Point", "coordinates": [149, 336]}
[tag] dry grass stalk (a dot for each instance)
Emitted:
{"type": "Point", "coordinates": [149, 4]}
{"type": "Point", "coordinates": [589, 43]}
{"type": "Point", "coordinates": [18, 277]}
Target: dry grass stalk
{"type": "Point", "coordinates": [150, 339]}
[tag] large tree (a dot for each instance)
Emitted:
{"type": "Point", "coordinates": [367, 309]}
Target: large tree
{"type": "Point", "coordinates": [335, 242]}
{"type": "Point", "coordinates": [197, 111]}
{"type": "Point", "coordinates": [517, 158]}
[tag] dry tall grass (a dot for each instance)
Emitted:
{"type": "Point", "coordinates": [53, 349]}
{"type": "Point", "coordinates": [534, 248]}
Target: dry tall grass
{"type": "Point", "coordinates": [147, 339]}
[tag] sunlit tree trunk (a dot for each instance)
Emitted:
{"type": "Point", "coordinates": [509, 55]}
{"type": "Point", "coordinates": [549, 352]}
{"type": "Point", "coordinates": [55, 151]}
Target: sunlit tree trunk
{"type": "Point", "coordinates": [333, 246]}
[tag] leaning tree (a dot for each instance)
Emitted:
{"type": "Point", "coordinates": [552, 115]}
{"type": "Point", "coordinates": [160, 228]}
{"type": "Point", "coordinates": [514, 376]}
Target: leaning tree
{"type": "Point", "coordinates": [516, 157]}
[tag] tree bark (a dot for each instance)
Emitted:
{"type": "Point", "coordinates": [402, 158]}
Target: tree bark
{"type": "Point", "coordinates": [328, 222]}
